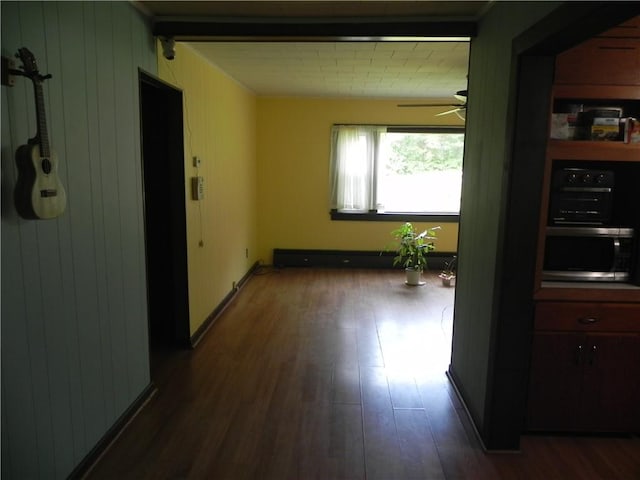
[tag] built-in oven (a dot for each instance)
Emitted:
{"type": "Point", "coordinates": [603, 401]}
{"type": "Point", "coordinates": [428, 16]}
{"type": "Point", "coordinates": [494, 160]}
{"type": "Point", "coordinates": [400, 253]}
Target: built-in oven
{"type": "Point", "coordinates": [581, 196]}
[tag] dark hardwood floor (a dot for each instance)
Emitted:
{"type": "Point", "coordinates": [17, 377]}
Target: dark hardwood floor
{"type": "Point", "coordinates": [332, 374]}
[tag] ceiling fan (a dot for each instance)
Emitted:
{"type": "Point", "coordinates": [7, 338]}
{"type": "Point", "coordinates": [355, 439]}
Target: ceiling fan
{"type": "Point", "coordinates": [460, 110]}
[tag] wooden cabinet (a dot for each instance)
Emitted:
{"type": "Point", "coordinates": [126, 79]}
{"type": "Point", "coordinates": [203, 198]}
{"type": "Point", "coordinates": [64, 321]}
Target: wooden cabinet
{"type": "Point", "coordinates": [580, 64]}
{"type": "Point", "coordinates": [612, 58]}
{"type": "Point", "coordinates": [585, 361]}
{"type": "Point", "coordinates": [585, 368]}
{"type": "Point", "coordinates": [622, 158]}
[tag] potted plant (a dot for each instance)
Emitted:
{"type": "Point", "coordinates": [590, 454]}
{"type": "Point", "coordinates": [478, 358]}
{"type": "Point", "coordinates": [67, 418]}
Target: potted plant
{"type": "Point", "coordinates": [411, 248]}
{"type": "Point", "coordinates": [448, 275]}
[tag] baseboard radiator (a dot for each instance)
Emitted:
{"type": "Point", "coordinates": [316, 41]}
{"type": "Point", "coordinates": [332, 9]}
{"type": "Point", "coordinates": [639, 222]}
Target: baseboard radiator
{"type": "Point", "coordinates": [349, 258]}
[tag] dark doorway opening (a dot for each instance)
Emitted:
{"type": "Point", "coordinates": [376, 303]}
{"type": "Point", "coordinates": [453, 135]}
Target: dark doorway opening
{"type": "Point", "coordinates": [165, 219]}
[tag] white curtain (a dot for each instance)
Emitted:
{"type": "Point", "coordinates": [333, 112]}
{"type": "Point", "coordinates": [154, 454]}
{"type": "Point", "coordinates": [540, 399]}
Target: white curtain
{"type": "Point", "coordinates": [354, 157]}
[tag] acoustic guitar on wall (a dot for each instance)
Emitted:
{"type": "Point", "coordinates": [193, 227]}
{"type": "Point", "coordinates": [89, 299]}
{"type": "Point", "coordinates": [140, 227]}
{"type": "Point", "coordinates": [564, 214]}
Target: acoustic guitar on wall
{"type": "Point", "coordinates": [39, 193]}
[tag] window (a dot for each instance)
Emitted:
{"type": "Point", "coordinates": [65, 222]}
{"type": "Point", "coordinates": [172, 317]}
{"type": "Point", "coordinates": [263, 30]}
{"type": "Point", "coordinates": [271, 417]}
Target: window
{"type": "Point", "coordinates": [379, 171]}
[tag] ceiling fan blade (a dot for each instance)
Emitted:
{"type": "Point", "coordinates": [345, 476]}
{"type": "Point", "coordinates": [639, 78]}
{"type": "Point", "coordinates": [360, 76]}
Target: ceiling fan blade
{"type": "Point", "coordinates": [449, 111]}
{"type": "Point", "coordinates": [429, 105]}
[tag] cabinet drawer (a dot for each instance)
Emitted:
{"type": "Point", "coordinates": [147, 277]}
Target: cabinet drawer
{"type": "Point", "coordinates": [591, 317]}
{"type": "Point", "coordinates": [601, 61]}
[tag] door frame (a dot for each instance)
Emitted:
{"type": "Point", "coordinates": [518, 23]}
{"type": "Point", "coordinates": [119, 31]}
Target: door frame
{"type": "Point", "coordinates": [534, 53]}
{"type": "Point", "coordinates": [171, 173]}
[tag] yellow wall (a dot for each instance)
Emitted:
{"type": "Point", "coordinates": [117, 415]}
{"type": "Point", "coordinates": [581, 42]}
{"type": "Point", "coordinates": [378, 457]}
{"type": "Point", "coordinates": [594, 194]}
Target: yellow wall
{"type": "Point", "coordinates": [293, 174]}
{"type": "Point", "coordinates": [265, 162]}
{"type": "Point", "coordinates": [220, 128]}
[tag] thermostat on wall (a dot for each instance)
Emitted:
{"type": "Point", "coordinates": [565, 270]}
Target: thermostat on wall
{"type": "Point", "coordinates": [197, 188]}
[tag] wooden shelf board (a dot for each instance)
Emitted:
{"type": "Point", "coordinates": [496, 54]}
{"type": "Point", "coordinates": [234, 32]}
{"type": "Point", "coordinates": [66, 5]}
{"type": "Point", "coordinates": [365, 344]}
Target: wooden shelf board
{"type": "Point", "coordinates": [593, 150]}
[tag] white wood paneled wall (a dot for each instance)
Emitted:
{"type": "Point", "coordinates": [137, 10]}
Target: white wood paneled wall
{"type": "Point", "coordinates": [74, 313]}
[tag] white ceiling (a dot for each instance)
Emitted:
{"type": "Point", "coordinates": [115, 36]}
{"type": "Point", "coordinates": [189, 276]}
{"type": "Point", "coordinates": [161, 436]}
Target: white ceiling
{"type": "Point", "coordinates": [391, 69]}
{"type": "Point", "coordinates": [400, 70]}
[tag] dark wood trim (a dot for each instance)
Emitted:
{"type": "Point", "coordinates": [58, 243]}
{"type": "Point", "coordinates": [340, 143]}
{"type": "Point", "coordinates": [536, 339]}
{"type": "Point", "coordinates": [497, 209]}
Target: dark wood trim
{"type": "Point", "coordinates": [513, 300]}
{"type": "Point", "coordinates": [309, 29]}
{"type": "Point", "coordinates": [410, 128]}
{"type": "Point", "coordinates": [213, 316]}
{"type": "Point", "coordinates": [87, 463]}
{"type": "Point", "coordinates": [395, 217]}
{"type": "Point", "coordinates": [151, 79]}
{"type": "Point", "coordinates": [349, 258]}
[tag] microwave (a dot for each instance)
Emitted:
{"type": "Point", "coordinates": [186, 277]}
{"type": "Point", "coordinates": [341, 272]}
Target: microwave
{"type": "Point", "coordinates": [596, 254]}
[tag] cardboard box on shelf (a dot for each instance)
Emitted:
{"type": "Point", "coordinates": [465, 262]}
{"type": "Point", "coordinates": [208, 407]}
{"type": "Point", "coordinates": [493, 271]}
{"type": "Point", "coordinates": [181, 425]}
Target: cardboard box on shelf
{"type": "Point", "coordinates": [605, 132]}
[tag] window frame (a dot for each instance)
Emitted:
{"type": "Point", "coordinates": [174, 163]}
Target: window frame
{"type": "Point", "coordinates": [374, 216]}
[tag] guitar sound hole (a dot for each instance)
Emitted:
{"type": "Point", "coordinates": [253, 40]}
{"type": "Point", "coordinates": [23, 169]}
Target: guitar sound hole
{"type": "Point", "coordinates": [46, 166]}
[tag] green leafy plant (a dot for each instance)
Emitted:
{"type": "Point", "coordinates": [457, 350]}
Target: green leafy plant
{"type": "Point", "coordinates": [412, 247]}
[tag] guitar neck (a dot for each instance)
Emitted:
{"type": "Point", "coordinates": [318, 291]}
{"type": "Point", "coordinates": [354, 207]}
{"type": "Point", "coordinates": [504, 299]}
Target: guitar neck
{"type": "Point", "coordinates": [42, 136]}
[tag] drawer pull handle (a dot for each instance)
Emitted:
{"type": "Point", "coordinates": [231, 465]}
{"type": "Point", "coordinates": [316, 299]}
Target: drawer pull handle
{"type": "Point", "coordinates": [593, 354]}
{"type": "Point", "coordinates": [579, 355]}
{"type": "Point", "coordinates": [587, 320]}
